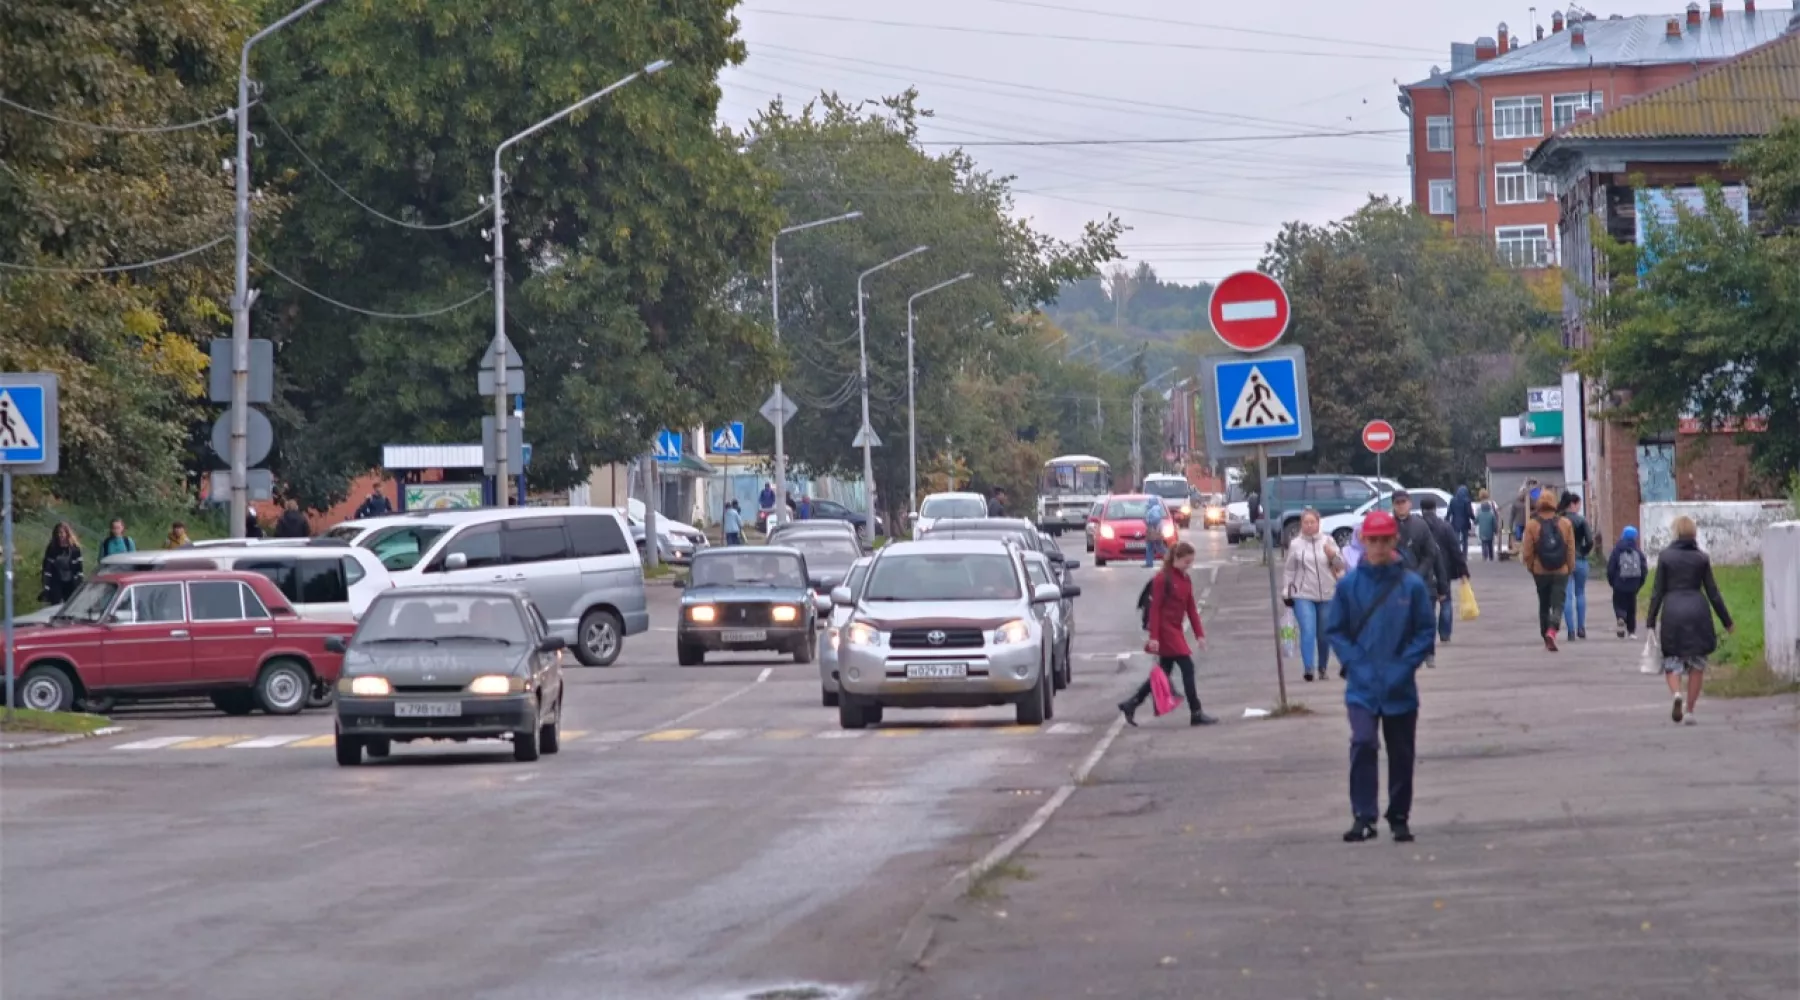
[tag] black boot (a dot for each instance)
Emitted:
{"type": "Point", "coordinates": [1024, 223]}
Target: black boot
{"type": "Point", "coordinates": [1401, 831]}
{"type": "Point", "coordinates": [1130, 710]}
{"type": "Point", "coordinates": [1361, 831]}
{"type": "Point", "coordinates": [1201, 719]}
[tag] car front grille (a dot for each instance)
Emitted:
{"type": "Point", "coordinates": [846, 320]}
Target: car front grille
{"type": "Point", "coordinates": [733, 615]}
{"type": "Point", "coordinates": [428, 688]}
{"type": "Point", "coordinates": [948, 638]}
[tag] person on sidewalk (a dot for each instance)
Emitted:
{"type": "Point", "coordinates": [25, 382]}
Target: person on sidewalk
{"type": "Point", "coordinates": [1487, 523]}
{"type": "Point", "coordinates": [178, 536]}
{"type": "Point", "coordinates": [375, 504]}
{"type": "Point", "coordinates": [1153, 525]}
{"type": "Point", "coordinates": [1382, 626]}
{"type": "Point", "coordinates": [733, 524]}
{"type": "Point", "coordinates": [1547, 550]}
{"type": "Point", "coordinates": [1575, 603]}
{"type": "Point", "coordinates": [1686, 591]}
{"type": "Point", "coordinates": [997, 502]}
{"type": "Point", "coordinates": [1172, 606]}
{"type": "Point", "coordinates": [62, 569]}
{"type": "Point", "coordinates": [1625, 572]}
{"type": "Point", "coordinates": [1461, 516]}
{"type": "Point", "coordinates": [1420, 552]}
{"type": "Point", "coordinates": [292, 523]}
{"type": "Point", "coordinates": [1308, 579]}
{"type": "Point", "coordinates": [1520, 514]}
{"type": "Point", "coordinates": [1353, 552]}
{"type": "Point", "coordinates": [117, 541]}
{"type": "Point", "coordinates": [1453, 552]}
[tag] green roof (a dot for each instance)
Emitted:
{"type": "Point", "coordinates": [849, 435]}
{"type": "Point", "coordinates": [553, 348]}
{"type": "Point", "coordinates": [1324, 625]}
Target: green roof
{"type": "Point", "coordinates": [1742, 97]}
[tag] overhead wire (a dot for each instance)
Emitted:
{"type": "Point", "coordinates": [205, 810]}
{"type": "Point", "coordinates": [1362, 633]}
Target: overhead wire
{"type": "Point", "coordinates": [375, 313]}
{"type": "Point", "coordinates": [1144, 18]}
{"type": "Point", "coordinates": [119, 129]}
{"type": "Point", "coordinates": [365, 206]}
{"type": "Point", "coordinates": [117, 268]}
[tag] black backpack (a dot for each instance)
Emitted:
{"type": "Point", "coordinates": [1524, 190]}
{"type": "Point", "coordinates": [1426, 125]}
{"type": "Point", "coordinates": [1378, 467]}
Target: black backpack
{"type": "Point", "coordinates": [1144, 603]}
{"type": "Point", "coordinates": [1552, 551]}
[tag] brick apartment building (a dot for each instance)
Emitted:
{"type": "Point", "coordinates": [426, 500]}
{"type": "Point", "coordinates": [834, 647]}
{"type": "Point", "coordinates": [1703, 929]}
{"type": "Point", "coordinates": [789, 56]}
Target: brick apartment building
{"type": "Point", "coordinates": [1474, 127]}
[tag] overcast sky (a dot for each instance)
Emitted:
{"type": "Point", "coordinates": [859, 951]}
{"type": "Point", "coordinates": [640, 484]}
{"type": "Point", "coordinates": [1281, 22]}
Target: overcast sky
{"type": "Point", "coordinates": [1058, 70]}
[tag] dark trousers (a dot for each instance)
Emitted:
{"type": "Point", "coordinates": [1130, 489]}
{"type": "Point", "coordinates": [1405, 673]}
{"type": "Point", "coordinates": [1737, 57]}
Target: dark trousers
{"type": "Point", "coordinates": [1367, 732]}
{"type": "Point", "coordinates": [1487, 549]}
{"type": "Point", "coordinates": [1169, 663]}
{"type": "Point", "coordinates": [734, 538]}
{"type": "Point", "coordinates": [1625, 608]}
{"type": "Point", "coordinates": [1551, 588]}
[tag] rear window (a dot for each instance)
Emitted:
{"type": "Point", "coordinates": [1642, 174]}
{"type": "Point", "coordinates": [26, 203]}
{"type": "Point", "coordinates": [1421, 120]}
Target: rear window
{"type": "Point", "coordinates": [943, 577]}
{"type": "Point", "coordinates": [1167, 488]}
{"type": "Point", "coordinates": [953, 507]}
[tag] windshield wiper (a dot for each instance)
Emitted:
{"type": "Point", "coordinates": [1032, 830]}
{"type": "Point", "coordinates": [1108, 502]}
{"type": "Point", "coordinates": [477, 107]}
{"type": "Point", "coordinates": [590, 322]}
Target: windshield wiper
{"type": "Point", "coordinates": [397, 638]}
{"type": "Point", "coordinates": [473, 638]}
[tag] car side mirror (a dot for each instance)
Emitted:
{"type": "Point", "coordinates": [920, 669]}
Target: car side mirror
{"type": "Point", "coordinates": [1070, 590]}
{"type": "Point", "coordinates": [456, 560]}
{"type": "Point", "coordinates": [335, 644]}
{"type": "Point", "coordinates": [912, 516]}
{"type": "Point", "coordinates": [1071, 564]}
{"type": "Point", "coordinates": [840, 596]}
{"type": "Point", "coordinates": [1046, 593]}
{"type": "Point", "coordinates": [551, 644]}
{"type": "Point", "coordinates": [822, 603]}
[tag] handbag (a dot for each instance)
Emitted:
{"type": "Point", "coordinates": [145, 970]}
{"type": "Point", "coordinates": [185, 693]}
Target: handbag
{"type": "Point", "coordinates": [1466, 608]}
{"type": "Point", "coordinates": [1650, 660]}
{"type": "Point", "coordinates": [1162, 693]}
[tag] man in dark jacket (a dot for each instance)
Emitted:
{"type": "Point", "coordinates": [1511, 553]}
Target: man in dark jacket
{"type": "Point", "coordinates": [292, 523]}
{"type": "Point", "coordinates": [997, 503]}
{"type": "Point", "coordinates": [1380, 625]}
{"type": "Point", "coordinates": [1453, 561]}
{"type": "Point", "coordinates": [375, 506]}
{"type": "Point", "coordinates": [1461, 515]}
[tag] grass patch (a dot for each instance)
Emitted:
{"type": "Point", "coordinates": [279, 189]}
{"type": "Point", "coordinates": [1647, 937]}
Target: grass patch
{"type": "Point", "coordinates": [1739, 667]}
{"type": "Point", "coordinates": [148, 526]}
{"type": "Point", "coordinates": [30, 720]}
{"type": "Point", "coordinates": [1750, 681]}
{"type": "Point", "coordinates": [660, 571]}
{"type": "Point", "coordinates": [988, 886]}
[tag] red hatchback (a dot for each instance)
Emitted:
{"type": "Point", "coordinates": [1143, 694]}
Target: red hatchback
{"type": "Point", "coordinates": [1119, 531]}
{"type": "Point", "coordinates": [140, 636]}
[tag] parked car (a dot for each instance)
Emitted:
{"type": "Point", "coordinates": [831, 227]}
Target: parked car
{"type": "Point", "coordinates": [677, 541]}
{"type": "Point", "coordinates": [451, 662]}
{"type": "Point", "coordinates": [577, 564]}
{"type": "Point", "coordinates": [1059, 618]}
{"type": "Point", "coordinates": [831, 510]}
{"type": "Point", "coordinates": [1122, 532]}
{"type": "Point", "coordinates": [1286, 497]}
{"type": "Point", "coordinates": [947, 624]}
{"type": "Point", "coordinates": [788, 529]}
{"type": "Point", "coordinates": [833, 633]}
{"type": "Point", "coordinates": [1176, 495]}
{"type": "Point", "coordinates": [947, 506]}
{"type": "Point", "coordinates": [320, 578]}
{"type": "Point", "coordinates": [745, 598]}
{"type": "Point", "coordinates": [1342, 526]}
{"type": "Point", "coordinates": [228, 636]}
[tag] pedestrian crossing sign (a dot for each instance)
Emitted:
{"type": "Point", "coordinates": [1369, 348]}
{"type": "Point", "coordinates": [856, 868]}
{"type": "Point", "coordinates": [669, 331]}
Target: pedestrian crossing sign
{"type": "Point", "coordinates": [1259, 400]}
{"type": "Point", "coordinates": [23, 437]}
{"type": "Point", "coordinates": [667, 448]}
{"type": "Point", "coordinates": [728, 440]}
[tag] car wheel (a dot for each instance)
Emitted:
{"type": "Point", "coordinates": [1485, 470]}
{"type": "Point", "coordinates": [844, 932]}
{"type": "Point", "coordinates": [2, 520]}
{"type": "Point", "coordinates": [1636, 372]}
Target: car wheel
{"type": "Point", "coordinates": [550, 735]}
{"type": "Point", "coordinates": [1050, 693]}
{"type": "Point", "coordinates": [525, 745]}
{"type": "Point", "coordinates": [322, 697]}
{"type": "Point", "coordinates": [234, 702]}
{"type": "Point", "coordinates": [1030, 710]}
{"type": "Point", "coordinates": [689, 656]}
{"type": "Point", "coordinates": [851, 715]}
{"type": "Point", "coordinates": [599, 638]}
{"type": "Point", "coordinates": [873, 714]}
{"type": "Point", "coordinates": [1342, 536]}
{"type": "Point", "coordinates": [1058, 672]}
{"type": "Point", "coordinates": [349, 750]}
{"type": "Point", "coordinates": [378, 747]}
{"type": "Point", "coordinates": [803, 650]}
{"type": "Point", "coordinates": [1099, 560]}
{"type": "Point", "coordinates": [829, 699]}
{"type": "Point", "coordinates": [46, 689]}
{"type": "Point", "coordinates": [283, 687]}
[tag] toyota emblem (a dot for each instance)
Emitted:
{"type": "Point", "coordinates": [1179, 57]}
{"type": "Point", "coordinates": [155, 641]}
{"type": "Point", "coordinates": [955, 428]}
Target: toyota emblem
{"type": "Point", "coordinates": [936, 637]}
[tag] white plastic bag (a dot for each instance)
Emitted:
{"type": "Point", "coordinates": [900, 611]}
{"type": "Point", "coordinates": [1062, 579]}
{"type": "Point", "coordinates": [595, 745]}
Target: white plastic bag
{"type": "Point", "coordinates": [1650, 660]}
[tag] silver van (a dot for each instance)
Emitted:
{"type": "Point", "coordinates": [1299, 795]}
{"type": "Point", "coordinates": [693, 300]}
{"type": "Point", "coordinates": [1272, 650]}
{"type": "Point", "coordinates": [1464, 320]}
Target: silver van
{"type": "Point", "coordinates": [578, 564]}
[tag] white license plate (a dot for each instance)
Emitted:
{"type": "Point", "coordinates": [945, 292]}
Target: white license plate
{"type": "Point", "coordinates": [428, 709]}
{"type": "Point", "coordinates": [936, 671]}
{"type": "Point", "coordinates": [744, 635]}
{"type": "Point", "coordinates": [1134, 546]}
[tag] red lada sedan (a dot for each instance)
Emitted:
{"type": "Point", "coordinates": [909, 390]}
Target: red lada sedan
{"type": "Point", "coordinates": [1119, 531]}
{"type": "Point", "coordinates": [145, 636]}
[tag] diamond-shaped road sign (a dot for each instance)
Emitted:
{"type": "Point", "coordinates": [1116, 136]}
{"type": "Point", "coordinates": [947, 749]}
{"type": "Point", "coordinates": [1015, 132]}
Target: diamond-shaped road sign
{"type": "Point", "coordinates": [785, 412]}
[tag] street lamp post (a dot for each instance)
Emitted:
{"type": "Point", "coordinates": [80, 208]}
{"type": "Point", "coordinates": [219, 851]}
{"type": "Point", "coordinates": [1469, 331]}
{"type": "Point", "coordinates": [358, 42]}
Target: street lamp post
{"type": "Point", "coordinates": [241, 296]}
{"type": "Point", "coordinates": [501, 459]}
{"type": "Point", "coordinates": [775, 313]}
{"type": "Point", "coordinates": [862, 348]}
{"type": "Point", "coordinates": [912, 411]}
{"type": "Point", "coordinates": [1137, 427]}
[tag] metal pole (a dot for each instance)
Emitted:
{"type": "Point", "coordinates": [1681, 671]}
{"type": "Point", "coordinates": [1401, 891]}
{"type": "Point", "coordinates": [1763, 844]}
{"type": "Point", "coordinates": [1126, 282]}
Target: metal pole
{"type": "Point", "coordinates": [912, 410]}
{"type": "Point", "coordinates": [781, 488]}
{"type": "Point", "coordinates": [242, 296]}
{"type": "Point", "coordinates": [6, 552]}
{"type": "Point", "coordinates": [862, 349]}
{"type": "Point", "coordinates": [1262, 471]}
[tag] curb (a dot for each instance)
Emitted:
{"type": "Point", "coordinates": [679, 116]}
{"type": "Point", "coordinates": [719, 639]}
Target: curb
{"type": "Point", "coordinates": [57, 741]}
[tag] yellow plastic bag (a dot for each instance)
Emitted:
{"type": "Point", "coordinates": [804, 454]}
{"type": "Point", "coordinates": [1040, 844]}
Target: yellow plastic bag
{"type": "Point", "coordinates": [1466, 608]}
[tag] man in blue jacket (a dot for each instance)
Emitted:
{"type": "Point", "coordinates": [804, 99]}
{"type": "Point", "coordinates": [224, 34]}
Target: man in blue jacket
{"type": "Point", "coordinates": [1382, 624]}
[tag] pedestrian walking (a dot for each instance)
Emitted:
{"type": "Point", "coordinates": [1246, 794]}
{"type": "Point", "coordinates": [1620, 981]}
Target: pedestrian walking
{"type": "Point", "coordinates": [1171, 607]}
{"type": "Point", "coordinates": [62, 569]}
{"type": "Point", "coordinates": [252, 527]}
{"type": "Point", "coordinates": [1453, 563]}
{"type": "Point", "coordinates": [734, 524]}
{"type": "Point", "coordinates": [1684, 599]}
{"type": "Point", "coordinates": [997, 503]}
{"type": "Point", "coordinates": [1547, 550]}
{"type": "Point", "coordinates": [117, 541]}
{"type": "Point", "coordinates": [803, 511]}
{"type": "Point", "coordinates": [292, 523]}
{"type": "Point", "coordinates": [1380, 624]}
{"type": "Point", "coordinates": [1520, 514]}
{"type": "Point", "coordinates": [1461, 516]}
{"type": "Point", "coordinates": [1353, 552]}
{"type": "Point", "coordinates": [1575, 599]}
{"type": "Point", "coordinates": [765, 501]}
{"type": "Point", "coordinates": [375, 505]}
{"type": "Point", "coordinates": [1626, 570]}
{"type": "Point", "coordinates": [1153, 525]}
{"type": "Point", "coordinates": [1308, 581]}
{"type": "Point", "coordinates": [1487, 517]}
{"type": "Point", "coordinates": [177, 537]}
{"type": "Point", "coordinates": [1420, 551]}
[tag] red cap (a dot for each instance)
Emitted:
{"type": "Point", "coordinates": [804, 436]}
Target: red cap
{"type": "Point", "coordinates": [1380, 524]}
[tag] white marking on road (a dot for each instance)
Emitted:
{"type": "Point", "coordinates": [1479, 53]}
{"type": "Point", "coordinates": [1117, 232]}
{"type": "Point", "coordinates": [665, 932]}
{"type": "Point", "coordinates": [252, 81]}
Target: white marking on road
{"type": "Point", "coordinates": [1069, 729]}
{"type": "Point", "coordinates": [262, 742]}
{"type": "Point", "coordinates": [840, 734]}
{"type": "Point", "coordinates": [1256, 309]}
{"type": "Point", "coordinates": [156, 743]}
{"type": "Point", "coordinates": [766, 671]}
{"type": "Point", "coordinates": [715, 735]}
{"type": "Point", "coordinates": [709, 706]}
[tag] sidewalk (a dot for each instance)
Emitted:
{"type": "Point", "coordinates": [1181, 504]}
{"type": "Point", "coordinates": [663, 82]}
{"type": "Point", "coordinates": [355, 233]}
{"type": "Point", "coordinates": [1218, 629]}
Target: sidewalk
{"type": "Point", "coordinates": [1572, 841]}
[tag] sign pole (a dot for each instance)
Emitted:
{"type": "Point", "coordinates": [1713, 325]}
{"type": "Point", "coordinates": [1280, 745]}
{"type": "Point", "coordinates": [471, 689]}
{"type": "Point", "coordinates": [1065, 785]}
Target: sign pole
{"type": "Point", "coordinates": [6, 516]}
{"type": "Point", "coordinates": [1262, 471]}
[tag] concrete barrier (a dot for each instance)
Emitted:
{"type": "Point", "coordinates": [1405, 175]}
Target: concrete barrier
{"type": "Point", "coordinates": [1730, 531]}
{"type": "Point", "coordinates": [1781, 598]}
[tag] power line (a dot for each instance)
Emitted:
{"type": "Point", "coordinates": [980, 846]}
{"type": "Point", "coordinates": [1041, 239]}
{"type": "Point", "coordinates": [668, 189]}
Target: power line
{"type": "Point", "coordinates": [1211, 27]}
{"type": "Point", "coordinates": [119, 129]}
{"type": "Point", "coordinates": [1174, 141]}
{"type": "Point", "coordinates": [365, 206]}
{"type": "Point", "coordinates": [376, 313]}
{"type": "Point", "coordinates": [117, 269]}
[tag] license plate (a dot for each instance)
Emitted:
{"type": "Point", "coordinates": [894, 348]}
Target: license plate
{"type": "Point", "coordinates": [936, 671]}
{"type": "Point", "coordinates": [744, 635]}
{"type": "Point", "coordinates": [1134, 546]}
{"type": "Point", "coordinates": [428, 709]}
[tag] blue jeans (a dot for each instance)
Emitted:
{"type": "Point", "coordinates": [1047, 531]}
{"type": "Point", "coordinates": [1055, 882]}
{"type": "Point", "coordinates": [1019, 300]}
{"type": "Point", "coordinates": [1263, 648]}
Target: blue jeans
{"type": "Point", "coordinates": [1367, 730]}
{"type": "Point", "coordinates": [1446, 616]}
{"type": "Point", "coordinates": [1575, 601]}
{"type": "Point", "coordinates": [1314, 653]}
{"type": "Point", "coordinates": [734, 538]}
{"type": "Point", "coordinates": [1153, 544]}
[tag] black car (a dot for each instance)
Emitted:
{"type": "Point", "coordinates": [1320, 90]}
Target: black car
{"type": "Point", "coordinates": [744, 598]}
{"type": "Point", "coordinates": [831, 510]}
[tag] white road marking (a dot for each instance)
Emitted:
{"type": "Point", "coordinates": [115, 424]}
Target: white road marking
{"type": "Point", "coordinates": [840, 734]}
{"type": "Point", "coordinates": [262, 742]}
{"type": "Point", "coordinates": [1256, 309]}
{"type": "Point", "coordinates": [156, 743]}
{"type": "Point", "coordinates": [715, 735]}
{"type": "Point", "coordinates": [1069, 729]}
{"type": "Point", "coordinates": [766, 671]}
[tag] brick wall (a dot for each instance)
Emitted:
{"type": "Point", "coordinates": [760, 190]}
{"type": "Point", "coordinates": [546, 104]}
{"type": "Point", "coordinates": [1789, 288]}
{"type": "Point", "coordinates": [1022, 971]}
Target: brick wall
{"type": "Point", "coordinates": [1713, 468]}
{"type": "Point", "coordinates": [1616, 495]}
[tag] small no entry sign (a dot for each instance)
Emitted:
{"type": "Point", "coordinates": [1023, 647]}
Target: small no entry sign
{"type": "Point", "coordinates": [1249, 311]}
{"type": "Point", "coordinates": [1378, 436]}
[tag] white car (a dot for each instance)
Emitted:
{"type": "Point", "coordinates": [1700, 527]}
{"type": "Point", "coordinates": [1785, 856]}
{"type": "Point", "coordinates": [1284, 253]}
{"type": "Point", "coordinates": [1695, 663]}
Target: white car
{"type": "Point", "coordinates": [1342, 526]}
{"type": "Point", "coordinates": [677, 541]}
{"type": "Point", "coordinates": [833, 633]}
{"type": "Point", "coordinates": [947, 506]}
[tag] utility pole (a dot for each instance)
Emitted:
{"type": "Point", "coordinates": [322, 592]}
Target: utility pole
{"type": "Point", "coordinates": [912, 408]}
{"type": "Point", "coordinates": [781, 487]}
{"type": "Point", "coordinates": [868, 429]}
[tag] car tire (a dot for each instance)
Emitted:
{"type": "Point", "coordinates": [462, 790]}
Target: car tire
{"type": "Point", "coordinates": [525, 745]}
{"type": "Point", "coordinates": [236, 702]}
{"type": "Point", "coordinates": [689, 656]}
{"type": "Point", "coordinates": [1058, 678]}
{"type": "Point", "coordinates": [96, 706]}
{"type": "Point", "coordinates": [321, 698]}
{"type": "Point", "coordinates": [349, 750]}
{"type": "Point", "coordinates": [377, 747]}
{"type": "Point", "coordinates": [829, 699]}
{"type": "Point", "coordinates": [599, 638]}
{"type": "Point", "coordinates": [283, 687]}
{"type": "Point", "coordinates": [46, 689]}
{"type": "Point", "coordinates": [1099, 560]}
{"type": "Point", "coordinates": [550, 736]}
{"type": "Point", "coordinates": [803, 650]}
{"type": "Point", "coordinates": [851, 715]}
{"type": "Point", "coordinates": [1030, 710]}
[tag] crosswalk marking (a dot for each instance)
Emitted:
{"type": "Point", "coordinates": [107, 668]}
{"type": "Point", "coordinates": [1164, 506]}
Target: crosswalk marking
{"type": "Point", "coordinates": [671, 735]}
{"type": "Point", "coordinates": [956, 729]}
{"type": "Point", "coordinates": [209, 742]}
{"type": "Point", "coordinates": [1069, 729]}
{"type": "Point", "coordinates": [840, 734]}
{"type": "Point", "coordinates": [157, 743]}
{"type": "Point", "coordinates": [571, 735]}
{"type": "Point", "coordinates": [316, 741]}
{"type": "Point", "coordinates": [899, 731]}
{"type": "Point", "coordinates": [786, 734]}
{"type": "Point", "coordinates": [263, 742]}
{"type": "Point", "coordinates": [715, 735]}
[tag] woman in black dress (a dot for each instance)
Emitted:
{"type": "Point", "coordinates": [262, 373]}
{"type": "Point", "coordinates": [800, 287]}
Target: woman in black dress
{"type": "Point", "coordinates": [1684, 599]}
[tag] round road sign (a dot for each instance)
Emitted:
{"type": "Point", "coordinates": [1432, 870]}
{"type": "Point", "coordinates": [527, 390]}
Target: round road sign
{"type": "Point", "coordinates": [1249, 311]}
{"type": "Point", "coordinates": [1378, 436]}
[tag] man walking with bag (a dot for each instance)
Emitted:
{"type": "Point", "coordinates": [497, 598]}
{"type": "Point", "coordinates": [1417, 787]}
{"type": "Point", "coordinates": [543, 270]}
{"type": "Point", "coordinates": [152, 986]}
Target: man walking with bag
{"type": "Point", "coordinates": [1382, 627]}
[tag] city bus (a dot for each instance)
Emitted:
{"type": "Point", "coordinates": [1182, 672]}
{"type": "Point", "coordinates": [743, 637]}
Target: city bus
{"type": "Point", "coordinates": [1068, 489]}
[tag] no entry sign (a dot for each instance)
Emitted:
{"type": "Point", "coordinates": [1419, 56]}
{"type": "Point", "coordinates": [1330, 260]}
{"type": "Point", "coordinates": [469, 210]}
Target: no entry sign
{"type": "Point", "coordinates": [1378, 436]}
{"type": "Point", "coordinates": [1249, 311]}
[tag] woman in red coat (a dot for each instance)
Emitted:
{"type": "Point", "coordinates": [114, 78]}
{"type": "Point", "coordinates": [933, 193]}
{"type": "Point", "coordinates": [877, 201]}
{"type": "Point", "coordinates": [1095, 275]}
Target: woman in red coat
{"type": "Point", "coordinates": [1172, 606]}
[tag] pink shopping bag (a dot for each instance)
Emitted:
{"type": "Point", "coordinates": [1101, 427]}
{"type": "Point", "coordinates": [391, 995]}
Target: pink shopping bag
{"type": "Point", "coordinates": [1162, 695]}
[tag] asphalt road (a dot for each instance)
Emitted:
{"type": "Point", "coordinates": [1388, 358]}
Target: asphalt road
{"type": "Point", "coordinates": [706, 832]}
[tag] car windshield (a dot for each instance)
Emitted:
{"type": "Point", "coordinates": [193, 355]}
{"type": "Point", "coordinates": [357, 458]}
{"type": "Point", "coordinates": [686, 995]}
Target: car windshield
{"type": "Point", "coordinates": [943, 576]}
{"type": "Point", "coordinates": [746, 567]}
{"type": "Point", "coordinates": [825, 548]}
{"type": "Point", "coordinates": [346, 532]}
{"type": "Point", "coordinates": [953, 507]}
{"type": "Point", "coordinates": [855, 580]}
{"type": "Point", "coordinates": [1168, 489]}
{"type": "Point", "coordinates": [401, 546]}
{"type": "Point", "coordinates": [399, 617]}
{"type": "Point", "coordinates": [88, 603]}
{"type": "Point", "coordinates": [1126, 510]}
{"type": "Point", "coordinates": [1075, 478]}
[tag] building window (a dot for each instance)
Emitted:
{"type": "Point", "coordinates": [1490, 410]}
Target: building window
{"type": "Point", "coordinates": [1524, 246]}
{"type": "Point", "coordinates": [1514, 185]}
{"type": "Point", "coordinates": [1443, 197]}
{"type": "Point", "coordinates": [1518, 117]}
{"type": "Point", "coordinates": [1438, 133]}
{"type": "Point", "coordinates": [1564, 107]}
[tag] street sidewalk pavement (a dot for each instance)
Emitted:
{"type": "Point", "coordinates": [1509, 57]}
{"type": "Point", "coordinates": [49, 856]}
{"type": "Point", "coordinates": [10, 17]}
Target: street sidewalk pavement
{"type": "Point", "coordinates": [1572, 841]}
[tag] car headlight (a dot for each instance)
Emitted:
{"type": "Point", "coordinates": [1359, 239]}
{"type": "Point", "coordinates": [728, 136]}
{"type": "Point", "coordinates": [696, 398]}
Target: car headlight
{"type": "Point", "coordinates": [1168, 529]}
{"type": "Point", "coordinates": [864, 634]}
{"type": "Point", "coordinates": [703, 613]}
{"type": "Point", "coordinates": [368, 687]}
{"type": "Point", "coordinates": [496, 684]}
{"type": "Point", "coordinates": [1185, 509]}
{"type": "Point", "coordinates": [784, 613]}
{"type": "Point", "coordinates": [1010, 634]}
{"type": "Point", "coordinates": [1106, 531]}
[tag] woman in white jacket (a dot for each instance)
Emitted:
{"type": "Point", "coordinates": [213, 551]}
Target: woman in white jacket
{"type": "Point", "coordinates": [1308, 581]}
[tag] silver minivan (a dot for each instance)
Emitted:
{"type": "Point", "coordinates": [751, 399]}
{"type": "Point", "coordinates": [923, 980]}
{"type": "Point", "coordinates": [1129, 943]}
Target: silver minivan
{"type": "Point", "coordinates": [579, 565]}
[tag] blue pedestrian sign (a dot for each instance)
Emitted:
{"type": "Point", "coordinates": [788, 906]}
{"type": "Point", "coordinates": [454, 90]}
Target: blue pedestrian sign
{"type": "Point", "coordinates": [1258, 400]}
{"type": "Point", "coordinates": [728, 440]}
{"type": "Point", "coordinates": [667, 448]}
{"type": "Point", "coordinates": [24, 438]}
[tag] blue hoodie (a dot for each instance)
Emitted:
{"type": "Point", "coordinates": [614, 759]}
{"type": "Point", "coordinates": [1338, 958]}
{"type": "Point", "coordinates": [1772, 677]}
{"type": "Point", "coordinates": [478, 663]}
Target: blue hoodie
{"type": "Point", "coordinates": [1379, 664]}
{"type": "Point", "coordinates": [1462, 511]}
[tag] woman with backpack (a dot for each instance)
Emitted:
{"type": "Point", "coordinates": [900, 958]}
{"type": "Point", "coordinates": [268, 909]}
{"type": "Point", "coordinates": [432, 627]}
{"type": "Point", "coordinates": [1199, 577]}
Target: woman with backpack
{"type": "Point", "coordinates": [1171, 607]}
{"type": "Point", "coordinates": [1309, 577]}
{"type": "Point", "coordinates": [1625, 571]}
